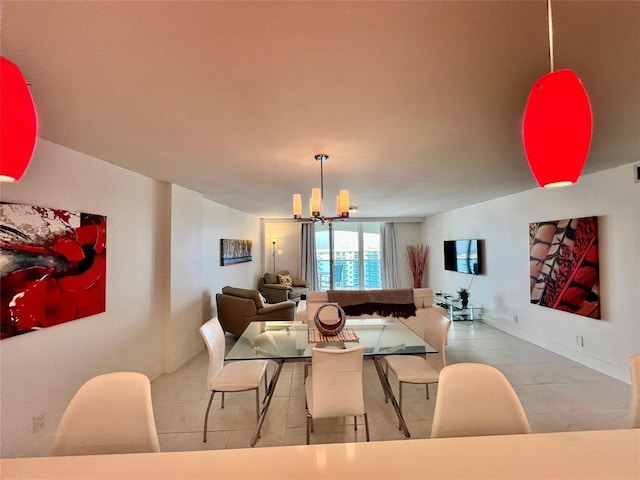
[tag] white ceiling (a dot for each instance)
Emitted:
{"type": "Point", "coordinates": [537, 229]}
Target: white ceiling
{"type": "Point", "coordinates": [418, 104]}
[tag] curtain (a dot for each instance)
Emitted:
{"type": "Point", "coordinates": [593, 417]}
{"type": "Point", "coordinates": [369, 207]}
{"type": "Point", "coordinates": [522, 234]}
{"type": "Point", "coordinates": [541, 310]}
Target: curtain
{"type": "Point", "coordinates": [388, 255]}
{"type": "Point", "coordinates": [308, 268]}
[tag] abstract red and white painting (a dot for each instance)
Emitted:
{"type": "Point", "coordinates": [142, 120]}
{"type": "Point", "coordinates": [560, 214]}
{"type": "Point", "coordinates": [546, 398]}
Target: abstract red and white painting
{"type": "Point", "coordinates": [564, 265]}
{"type": "Point", "coordinates": [52, 267]}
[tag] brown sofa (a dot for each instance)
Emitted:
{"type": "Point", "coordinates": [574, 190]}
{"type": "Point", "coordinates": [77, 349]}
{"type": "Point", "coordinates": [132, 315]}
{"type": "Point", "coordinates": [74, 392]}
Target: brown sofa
{"type": "Point", "coordinates": [277, 292]}
{"type": "Point", "coordinates": [239, 306]}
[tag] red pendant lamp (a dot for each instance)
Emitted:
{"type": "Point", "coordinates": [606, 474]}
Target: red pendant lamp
{"type": "Point", "coordinates": [18, 123]}
{"type": "Point", "coordinates": [557, 126]}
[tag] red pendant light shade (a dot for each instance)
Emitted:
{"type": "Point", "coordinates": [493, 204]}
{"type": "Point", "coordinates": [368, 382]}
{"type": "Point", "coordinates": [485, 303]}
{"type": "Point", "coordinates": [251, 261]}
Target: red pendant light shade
{"type": "Point", "coordinates": [18, 123]}
{"type": "Point", "coordinates": [556, 130]}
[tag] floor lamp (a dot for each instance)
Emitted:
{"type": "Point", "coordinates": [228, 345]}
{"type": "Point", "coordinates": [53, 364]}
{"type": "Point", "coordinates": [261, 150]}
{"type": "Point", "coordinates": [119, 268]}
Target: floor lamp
{"type": "Point", "coordinates": [278, 252]}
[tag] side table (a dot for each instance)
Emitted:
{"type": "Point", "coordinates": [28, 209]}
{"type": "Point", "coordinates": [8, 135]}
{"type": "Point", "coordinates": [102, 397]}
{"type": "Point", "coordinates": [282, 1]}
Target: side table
{"type": "Point", "coordinates": [455, 309]}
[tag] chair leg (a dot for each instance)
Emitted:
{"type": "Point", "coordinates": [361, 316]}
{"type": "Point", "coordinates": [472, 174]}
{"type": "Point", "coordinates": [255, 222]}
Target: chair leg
{"type": "Point", "coordinates": [257, 404]}
{"type": "Point", "coordinates": [222, 406]}
{"type": "Point", "coordinates": [206, 416]}
{"type": "Point", "coordinates": [266, 388]}
{"type": "Point", "coordinates": [400, 403]}
{"type": "Point", "coordinates": [309, 427]}
{"type": "Point", "coordinates": [386, 374]}
{"type": "Point", "coordinates": [355, 422]}
{"type": "Point", "coordinates": [426, 386]}
{"type": "Point", "coordinates": [366, 425]}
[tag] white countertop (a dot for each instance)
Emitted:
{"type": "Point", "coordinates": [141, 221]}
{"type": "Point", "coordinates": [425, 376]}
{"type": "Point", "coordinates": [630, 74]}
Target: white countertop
{"type": "Point", "coordinates": [578, 455]}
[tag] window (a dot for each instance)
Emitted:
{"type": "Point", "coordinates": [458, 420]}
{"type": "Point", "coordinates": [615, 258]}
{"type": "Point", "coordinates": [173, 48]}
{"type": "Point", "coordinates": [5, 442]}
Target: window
{"type": "Point", "coordinates": [352, 252]}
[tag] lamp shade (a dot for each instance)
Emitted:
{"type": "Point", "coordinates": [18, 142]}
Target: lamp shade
{"type": "Point", "coordinates": [297, 205]}
{"type": "Point", "coordinates": [316, 201]}
{"type": "Point", "coordinates": [556, 129]}
{"type": "Point", "coordinates": [18, 122]}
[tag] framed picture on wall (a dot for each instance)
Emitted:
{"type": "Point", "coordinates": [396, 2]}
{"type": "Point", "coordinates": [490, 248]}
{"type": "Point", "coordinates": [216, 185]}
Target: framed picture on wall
{"type": "Point", "coordinates": [564, 265]}
{"type": "Point", "coordinates": [235, 251]}
{"type": "Point", "coordinates": [53, 264]}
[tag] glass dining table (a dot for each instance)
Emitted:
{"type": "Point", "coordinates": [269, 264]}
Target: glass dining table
{"type": "Point", "coordinates": [282, 341]}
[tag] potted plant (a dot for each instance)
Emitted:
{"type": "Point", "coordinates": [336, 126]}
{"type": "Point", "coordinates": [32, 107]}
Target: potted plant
{"type": "Point", "coordinates": [463, 295]}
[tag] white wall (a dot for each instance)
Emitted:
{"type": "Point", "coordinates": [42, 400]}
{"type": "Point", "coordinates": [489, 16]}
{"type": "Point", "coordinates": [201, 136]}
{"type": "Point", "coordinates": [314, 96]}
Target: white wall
{"type": "Point", "coordinates": [162, 271]}
{"type": "Point", "coordinates": [408, 234]}
{"type": "Point", "coordinates": [42, 370]}
{"type": "Point", "coordinates": [182, 338]}
{"type": "Point", "coordinates": [287, 238]}
{"type": "Point", "coordinates": [219, 222]}
{"type": "Point", "coordinates": [504, 290]}
{"type": "Point", "coordinates": [197, 225]}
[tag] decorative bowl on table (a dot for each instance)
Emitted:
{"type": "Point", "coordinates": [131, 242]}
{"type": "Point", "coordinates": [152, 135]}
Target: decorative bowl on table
{"type": "Point", "coordinates": [329, 319]}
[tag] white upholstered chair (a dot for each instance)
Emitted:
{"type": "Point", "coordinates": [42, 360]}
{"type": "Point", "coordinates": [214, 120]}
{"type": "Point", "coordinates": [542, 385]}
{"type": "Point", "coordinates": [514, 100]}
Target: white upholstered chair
{"type": "Point", "coordinates": [231, 377]}
{"type": "Point", "coordinates": [634, 365]}
{"type": "Point", "coordinates": [110, 413]}
{"type": "Point", "coordinates": [334, 388]}
{"type": "Point", "coordinates": [422, 370]}
{"type": "Point", "coordinates": [475, 399]}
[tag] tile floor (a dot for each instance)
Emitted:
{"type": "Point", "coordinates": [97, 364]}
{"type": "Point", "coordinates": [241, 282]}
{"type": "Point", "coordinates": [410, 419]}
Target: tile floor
{"type": "Point", "coordinates": [558, 395]}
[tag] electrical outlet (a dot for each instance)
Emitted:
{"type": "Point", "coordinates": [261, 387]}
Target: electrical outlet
{"type": "Point", "coordinates": [580, 340]}
{"type": "Point", "coordinates": [38, 423]}
{"type": "Point", "coordinates": [515, 318]}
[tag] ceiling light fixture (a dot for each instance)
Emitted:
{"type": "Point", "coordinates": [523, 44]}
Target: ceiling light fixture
{"type": "Point", "coordinates": [316, 204]}
{"type": "Point", "coordinates": [18, 122]}
{"type": "Point", "coordinates": [557, 125]}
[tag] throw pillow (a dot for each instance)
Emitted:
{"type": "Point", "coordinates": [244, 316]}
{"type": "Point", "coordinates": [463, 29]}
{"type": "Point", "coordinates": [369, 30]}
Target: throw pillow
{"type": "Point", "coordinates": [285, 280]}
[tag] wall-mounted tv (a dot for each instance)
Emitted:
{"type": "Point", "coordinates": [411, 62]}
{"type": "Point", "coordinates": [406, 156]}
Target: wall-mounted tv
{"type": "Point", "coordinates": [464, 256]}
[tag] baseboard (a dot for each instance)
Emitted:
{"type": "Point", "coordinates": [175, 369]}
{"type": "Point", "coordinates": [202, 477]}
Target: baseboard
{"type": "Point", "coordinates": [601, 366]}
{"type": "Point", "coordinates": [173, 364]}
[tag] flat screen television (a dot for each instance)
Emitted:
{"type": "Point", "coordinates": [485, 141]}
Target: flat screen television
{"type": "Point", "coordinates": [464, 256]}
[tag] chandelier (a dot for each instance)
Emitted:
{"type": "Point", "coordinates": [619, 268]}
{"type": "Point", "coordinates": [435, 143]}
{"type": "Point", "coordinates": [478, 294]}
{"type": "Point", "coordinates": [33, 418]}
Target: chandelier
{"type": "Point", "coordinates": [316, 203]}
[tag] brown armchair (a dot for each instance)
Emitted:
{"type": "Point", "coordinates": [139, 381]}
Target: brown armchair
{"type": "Point", "coordinates": [237, 307]}
{"type": "Point", "coordinates": [270, 287]}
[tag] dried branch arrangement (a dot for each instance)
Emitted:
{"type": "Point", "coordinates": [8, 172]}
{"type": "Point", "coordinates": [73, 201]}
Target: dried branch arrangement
{"type": "Point", "coordinates": [418, 256]}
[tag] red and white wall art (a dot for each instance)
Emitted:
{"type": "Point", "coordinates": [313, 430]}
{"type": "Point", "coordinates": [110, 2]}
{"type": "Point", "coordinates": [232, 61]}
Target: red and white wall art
{"type": "Point", "coordinates": [52, 267]}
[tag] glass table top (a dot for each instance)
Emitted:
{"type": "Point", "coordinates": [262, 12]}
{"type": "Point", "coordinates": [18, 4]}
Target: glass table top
{"type": "Point", "coordinates": [289, 340]}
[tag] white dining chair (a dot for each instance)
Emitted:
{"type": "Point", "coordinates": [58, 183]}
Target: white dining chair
{"type": "Point", "coordinates": [110, 413]}
{"type": "Point", "coordinates": [475, 399]}
{"type": "Point", "coordinates": [634, 366]}
{"type": "Point", "coordinates": [422, 369]}
{"type": "Point", "coordinates": [237, 376]}
{"type": "Point", "coordinates": [334, 387]}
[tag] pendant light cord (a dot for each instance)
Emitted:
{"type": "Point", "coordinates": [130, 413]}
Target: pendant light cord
{"type": "Point", "coordinates": [550, 17]}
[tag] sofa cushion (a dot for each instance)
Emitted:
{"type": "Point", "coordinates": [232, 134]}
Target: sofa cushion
{"type": "Point", "coordinates": [285, 280]}
{"type": "Point", "coordinates": [423, 297]}
{"type": "Point", "coordinates": [271, 277]}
